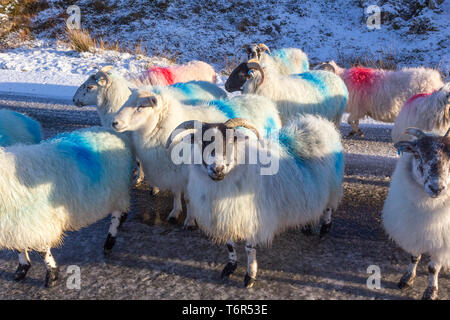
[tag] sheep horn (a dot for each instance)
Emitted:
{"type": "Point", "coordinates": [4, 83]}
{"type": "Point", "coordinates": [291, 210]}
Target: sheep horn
{"type": "Point", "coordinates": [263, 47]}
{"type": "Point", "coordinates": [325, 66]}
{"type": "Point", "coordinates": [415, 132]}
{"type": "Point", "coordinates": [446, 135]}
{"type": "Point", "coordinates": [254, 64]}
{"type": "Point", "coordinates": [190, 124]}
{"type": "Point", "coordinates": [240, 122]}
{"type": "Point", "coordinates": [106, 69]}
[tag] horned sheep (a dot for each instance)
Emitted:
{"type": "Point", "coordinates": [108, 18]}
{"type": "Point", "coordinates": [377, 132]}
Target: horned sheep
{"type": "Point", "coordinates": [62, 184]}
{"type": "Point", "coordinates": [286, 60]}
{"type": "Point", "coordinates": [416, 213]}
{"type": "Point", "coordinates": [152, 117]}
{"type": "Point", "coordinates": [313, 92]}
{"type": "Point", "coordinates": [233, 201]}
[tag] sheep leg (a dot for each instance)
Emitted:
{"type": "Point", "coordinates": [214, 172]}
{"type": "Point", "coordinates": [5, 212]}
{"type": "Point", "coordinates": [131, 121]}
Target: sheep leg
{"type": "Point", "coordinates": [189, 222]}
{"type": "Point", "coordinates": [408, 278]}
{"type": "Point", "coordinates": [326, 222]}
{"type": "Point", "coordinates": [24, 266]}
{"type": "Point", "coordinates": [354, 123]}
{"type": "Point", "coordinates": [232, 260]}
{"type": "Point", "coordinates": [112, 233]}
{"type": "Point", "coordinates": [51, 277]}
{"type": "Point", "coordinates": [177, 208]}
{"type": "Point", "coordinates": [123, 218]}
{"type": "Point", "coordinates": [307, 230]}
{"type": "Point", "coordinates": [252, 266]}
{"type": "Point", "coordinates": [138, 173]}
{"type": "Point", "coordinates": [431, 293]}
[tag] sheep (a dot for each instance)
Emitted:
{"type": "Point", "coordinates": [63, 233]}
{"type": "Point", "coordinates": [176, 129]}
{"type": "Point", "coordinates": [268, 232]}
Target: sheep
{"type": "Point", "coordinates": [234, 201]}
{"type": "Point", "coordinates": [416, 213]}
{"type": "Point", "coordinates": [380, 94]}
{"type": "Point", "coordinates": [109, 91]}
{"type": "Point", "coordinates": [286, 61]}
{"type": "Point", "coordinates": [426, 111]}
{"type": "Point", "coordinates": [315, 92]}
{"type": "Point", "coordinates": [62, 184]}
{"type": "Point", "coordinates": [152, 117]}
{"type": "Point", "coordinates": [18, 128]}
{"type": "Point", "coordinates": [164, 76]}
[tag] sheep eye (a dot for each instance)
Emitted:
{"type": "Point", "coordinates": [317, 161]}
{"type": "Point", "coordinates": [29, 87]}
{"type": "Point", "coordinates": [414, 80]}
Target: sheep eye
{"type": "Point", "coordinates": [91, 87]}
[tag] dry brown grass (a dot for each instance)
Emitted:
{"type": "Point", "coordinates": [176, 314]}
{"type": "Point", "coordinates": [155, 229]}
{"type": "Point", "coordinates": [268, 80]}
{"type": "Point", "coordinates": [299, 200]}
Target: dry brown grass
{"type": "Point", "coordinates": [383, 60]}
{"type": "Point", "coordinates": [80, 40]}
{"type": "Point", "coordinates": [230, 65]}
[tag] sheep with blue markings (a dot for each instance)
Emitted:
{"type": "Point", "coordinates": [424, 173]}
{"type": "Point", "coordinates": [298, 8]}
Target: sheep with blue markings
{"type": "Point", "coordinates": [152, 117]}
{"type": "Point", "coordinates": [62, 184]}
{"type": "Point", "coordinates": [286, 60]}
{"type": "Point", "coordinates": [234, 201]}
{"type": "Point", "coordinates": [18, 128]}
{"type": "Point", "coordinates": [314, 92]}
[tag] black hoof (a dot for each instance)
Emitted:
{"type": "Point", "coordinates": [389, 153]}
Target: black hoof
{"type": "Point", "coordinates": [172, 220]}
{"type": "Point", "coordinates": [325, 228]}
{"type": "Point", "coordinates": [109, 244]}
{"type": "Point", "coordinates": [228, 270]}
{"type": "Point", "coordinates": [248, 281]}
{"type": "Point", "coordinates": [406, 281]}
{"type": "Point", "coordinates": [361, 134]}
{"type": "Point", "coordinates": [307, 230]}
{"type": "Point", "coordinates": [21, 272]}
{"type": "Point", "coordinates": [123, 218]}
{"type": "Point", "coordinates": [430, 294]}
{"type": "Point", "coordinates": [51, 277]}
{"type": "Point", "coordinates": [190, 228]}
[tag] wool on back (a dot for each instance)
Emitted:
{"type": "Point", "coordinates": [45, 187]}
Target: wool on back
{"type": "Point", "coordinates": [18, 128]}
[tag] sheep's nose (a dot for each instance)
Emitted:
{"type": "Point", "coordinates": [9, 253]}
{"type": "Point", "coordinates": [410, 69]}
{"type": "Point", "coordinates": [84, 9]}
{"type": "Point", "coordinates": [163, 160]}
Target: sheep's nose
{"type": "Point", "coordinates": [115, 124]}
{"type": "Point", "coordinates": [218, 169]}
{"type": "Point", "coordinates": [437, 190]}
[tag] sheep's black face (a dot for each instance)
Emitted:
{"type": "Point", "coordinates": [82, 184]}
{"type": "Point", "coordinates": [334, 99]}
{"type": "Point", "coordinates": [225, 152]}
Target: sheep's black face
{"type": "Point", "coordinates": [237, 78]}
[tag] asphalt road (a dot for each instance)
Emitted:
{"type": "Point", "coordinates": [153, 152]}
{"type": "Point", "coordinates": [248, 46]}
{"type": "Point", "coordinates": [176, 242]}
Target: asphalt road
{"type": "Point", "coordinates": [155, 260]}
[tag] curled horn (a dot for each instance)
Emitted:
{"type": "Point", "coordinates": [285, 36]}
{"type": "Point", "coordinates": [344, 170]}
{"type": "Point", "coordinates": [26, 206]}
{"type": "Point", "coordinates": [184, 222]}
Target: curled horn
{"type": "Point", "coordinates": [254, 64]}
{"type": "Point", "coordinates": [240, 122]}
{"type": "Point", "coordinates": [187, 125]}
{"type": "Point", "coordinates": [106, 69]}
{"type": "Point", "coordinates": [415, 132]}
{"type": "Point", "coordinates": [325, 66]}
{"type": "Point", "coordinates": [263, 47]}
{"type": "Point", "coordinates": [446, 135]}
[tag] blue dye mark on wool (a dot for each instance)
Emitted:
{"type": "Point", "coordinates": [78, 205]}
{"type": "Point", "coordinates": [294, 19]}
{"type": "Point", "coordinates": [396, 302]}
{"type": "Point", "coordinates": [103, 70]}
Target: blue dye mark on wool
{"type": "Point", "coordinates": [225, 107]}
{"type": "Point", "coordinates": [185, 88]}
{"type": "Point", "coordinates": [305, 65]}
{"type": "Point", "coordinates": [32, 127]}
{"type": "Point", "coordinates": [316, 79]}
{"type": "Point", "coordinates": [81, 150]}
{"type": "Point", "coordinates": [4, 140]}
{"type": "Point", "coordinates": [339, 163]}
{"type": "Point", "coordinates": [287, 142]}
{"type": "Point", "coordinates": [270, 126]}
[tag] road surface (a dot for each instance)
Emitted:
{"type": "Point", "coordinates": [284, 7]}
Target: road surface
{"type": "Point", "coordinates": [155, 260]}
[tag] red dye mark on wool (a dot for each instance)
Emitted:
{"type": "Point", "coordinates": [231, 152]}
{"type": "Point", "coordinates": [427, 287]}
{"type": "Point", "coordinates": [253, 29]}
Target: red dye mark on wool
{"type": "Point", "coordinates": [360, 77]}
{"type": "Point", "coordinates": [166, 73]}
{"type": "Point", "coordinates": [419, 95]}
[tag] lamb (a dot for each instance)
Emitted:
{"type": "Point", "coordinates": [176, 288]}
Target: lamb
{"type": "Point", "coordinates": [426, 111]}
{"type": "Point", "coordinates": [380, 94]}
{"type": "Point", "coordinates": [286, 61]}
{"type": "Point", "coordinates": [315, 92]}
{"type": "Point", "coordinates": [164, 76]}
{"type": "Point", "coordinates": [233, 201]}
{"type": "Point", "coordinates": [18, 128]}
{"type": "Point", "coordinates": [62, 184]}
{"type": "Point", "coordinates": [416, 213]}
{"type": "Point", "coordinates": [152, 117]}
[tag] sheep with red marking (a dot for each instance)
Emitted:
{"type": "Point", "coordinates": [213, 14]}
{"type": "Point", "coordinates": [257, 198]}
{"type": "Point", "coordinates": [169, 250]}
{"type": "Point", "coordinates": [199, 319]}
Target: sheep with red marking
{"type": "Point", "coordinates": [426, 111]}
{"type": "Point", "coordinates": [379, 93]}
{"type": "Point", "coordinates": [164, 76]}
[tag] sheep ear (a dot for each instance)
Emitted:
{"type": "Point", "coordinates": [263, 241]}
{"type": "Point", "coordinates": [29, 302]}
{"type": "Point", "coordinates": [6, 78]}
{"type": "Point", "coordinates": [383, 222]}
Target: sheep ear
{"type": "Point", "coordinates": [405, 146]}
{"type": "Point", "coordinates": [148, 101]}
